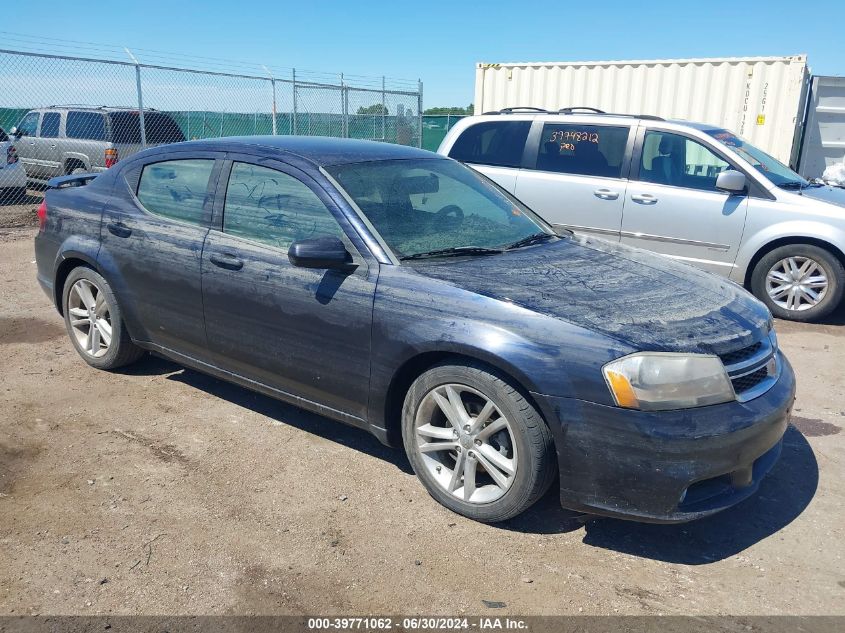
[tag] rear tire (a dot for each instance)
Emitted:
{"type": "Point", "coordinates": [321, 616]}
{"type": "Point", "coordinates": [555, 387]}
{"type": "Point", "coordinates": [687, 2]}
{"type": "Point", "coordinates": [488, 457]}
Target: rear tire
{"type": "Point", "coordinates": [493, 458]}
{"type": "Point", "coordinates": [799, 282]}
{"type": "Point", "coordinates": [94, 321]}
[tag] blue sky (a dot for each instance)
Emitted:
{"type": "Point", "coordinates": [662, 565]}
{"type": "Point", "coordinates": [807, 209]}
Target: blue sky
{"type": "Point", "coordinates": [440, 42]}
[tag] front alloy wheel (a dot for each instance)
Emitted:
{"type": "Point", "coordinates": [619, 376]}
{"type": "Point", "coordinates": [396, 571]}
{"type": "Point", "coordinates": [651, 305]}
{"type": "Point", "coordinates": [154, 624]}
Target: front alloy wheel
{"type": "Point", "coordinates": [465, 443]}
{"type": "Point", "coordinates": [476, 442]}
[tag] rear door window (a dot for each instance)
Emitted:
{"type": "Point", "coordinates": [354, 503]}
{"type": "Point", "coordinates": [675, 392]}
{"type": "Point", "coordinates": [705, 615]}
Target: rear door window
{"type": "Point", "coordinates": [50, 125]}
{"type": "Point", "coordinates": [274, 208]}
{"type": "Point", "coordinates": [85, 125]}
{"type": "Point", "coordinates": [672, 159]}
{"type": "Point", "coordinates": [176, 189]}
{"type": "Point", "coordinates": [498, 143]}
{"type": "Point", "coordinates": [587, 150]}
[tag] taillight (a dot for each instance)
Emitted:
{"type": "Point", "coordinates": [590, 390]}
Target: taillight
{"type": "Point", "coordinates": [11, 155]}
{"type": "Point", "coordinates": [42, 216]}
{"type": "Point", "coordinates": [111, 157]}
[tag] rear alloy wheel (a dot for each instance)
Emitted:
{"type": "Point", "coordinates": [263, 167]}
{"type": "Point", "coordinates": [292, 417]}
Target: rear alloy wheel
{"type": "Point", "coordinates": [90, 318]}
{"type": "Point", "coordinates": [94, 322]}
{"type": "Point", "coordinates": [800, 282]}
{"type": "Point", "coordinates": [479, 447]}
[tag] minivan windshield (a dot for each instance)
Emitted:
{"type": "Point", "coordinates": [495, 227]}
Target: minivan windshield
{"type": "Point", "coordinates": [438, 208]}
{"type": "Point", "coordinates": [770, 167]}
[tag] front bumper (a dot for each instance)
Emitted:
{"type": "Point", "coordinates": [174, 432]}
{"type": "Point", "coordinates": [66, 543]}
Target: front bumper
{"type": "Point", "coordinates": [667, 466]}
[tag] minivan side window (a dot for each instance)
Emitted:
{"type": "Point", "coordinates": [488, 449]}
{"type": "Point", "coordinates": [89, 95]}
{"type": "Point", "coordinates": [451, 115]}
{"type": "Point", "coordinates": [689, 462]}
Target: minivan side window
{"type": "Point", "coordinates": [176, 189]}
{"type": "Point", "coordinates": [85, 125]}
{"type": "Point", "coordinates": [274, 208]}
{"type": "Point", "coordinates": [672, 159]}
{"type": "Point", "coordinates": [498, 143]}
{"type": "Point", "coordinates": [50, 125]}
{"type": "Point", "coordinates": [29, 124]}
{"type": "Point", "coordinates": [586, 150]}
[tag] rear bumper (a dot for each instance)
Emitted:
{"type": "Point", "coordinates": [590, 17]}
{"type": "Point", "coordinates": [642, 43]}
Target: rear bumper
{"type": "Point", "coordinates": [667, 466]}
{"type": "Point", "coordinates": [12, 176]}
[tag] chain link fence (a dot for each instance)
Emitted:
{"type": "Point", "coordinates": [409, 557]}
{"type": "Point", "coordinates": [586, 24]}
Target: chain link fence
{"type": "Point", "coordinates": [64, 114]}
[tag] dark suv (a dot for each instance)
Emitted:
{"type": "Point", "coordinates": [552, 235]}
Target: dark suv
{"type": "Point", "coordinates": [401, 292]}
{"type": "Point", "coordinates": [71, 140]}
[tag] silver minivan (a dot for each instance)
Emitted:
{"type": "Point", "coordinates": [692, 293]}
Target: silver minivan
{"type": "Point", "coordinates": [63, 140]}
{"type": "Point", "coordinates": [691, 191]}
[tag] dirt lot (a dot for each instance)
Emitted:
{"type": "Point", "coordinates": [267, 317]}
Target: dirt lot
{"type": "Point", "coordinates": [160, 491]}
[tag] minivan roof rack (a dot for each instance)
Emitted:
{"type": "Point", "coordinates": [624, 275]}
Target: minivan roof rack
{"type": "Point", "coordinates": [571, 110]}
{"type": "Point", "coordinates": [89, 106]}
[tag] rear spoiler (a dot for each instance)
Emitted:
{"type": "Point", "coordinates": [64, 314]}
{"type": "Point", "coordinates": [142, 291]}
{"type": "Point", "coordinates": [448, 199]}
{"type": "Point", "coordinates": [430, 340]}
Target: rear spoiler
{"type": "Point", "coordinates": [78, 180]}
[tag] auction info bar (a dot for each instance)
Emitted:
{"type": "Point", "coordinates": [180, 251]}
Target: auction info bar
{"type": "Point", "coordinates": [410, 624]}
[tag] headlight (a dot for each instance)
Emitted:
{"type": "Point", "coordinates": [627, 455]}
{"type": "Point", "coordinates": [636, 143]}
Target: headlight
{"type": "Point", "coordinates": [656, 381]}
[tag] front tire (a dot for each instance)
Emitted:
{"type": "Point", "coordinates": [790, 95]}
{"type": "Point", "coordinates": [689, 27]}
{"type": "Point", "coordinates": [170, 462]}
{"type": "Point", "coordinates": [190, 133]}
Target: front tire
{"type": "Point", "coordinates": [477, 444]}
{"type": "Point", "coordinates": [94, 322]}
{"type": "Point", "coordinates": [799, 282]}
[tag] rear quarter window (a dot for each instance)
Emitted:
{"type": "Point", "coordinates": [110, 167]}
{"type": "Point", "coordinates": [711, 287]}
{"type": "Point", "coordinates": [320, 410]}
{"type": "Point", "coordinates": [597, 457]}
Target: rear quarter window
{"type": "Point", "coordinates": [498, 143]}
{"type": "Point", "coordinates": [90, 126]}
{"type": "Point", "coordinates": [159, 127]}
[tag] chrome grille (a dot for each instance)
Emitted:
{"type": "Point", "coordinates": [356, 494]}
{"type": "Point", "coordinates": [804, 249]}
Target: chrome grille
{"type": "Point", "coordinates": [749, 381]}
{"type": "Point", "coordinates": [739, 355]}
{"type": "Point", "coordinates": [752, 369]}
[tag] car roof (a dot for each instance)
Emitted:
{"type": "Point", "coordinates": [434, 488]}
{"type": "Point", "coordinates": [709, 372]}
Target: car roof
{"type": "Point", "coordinates": [321, 150]}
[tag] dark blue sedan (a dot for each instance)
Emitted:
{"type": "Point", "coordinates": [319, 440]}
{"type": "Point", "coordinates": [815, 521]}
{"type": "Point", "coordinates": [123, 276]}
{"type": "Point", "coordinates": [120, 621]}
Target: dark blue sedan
{"type": "Point", "coordinates": [401, 292]}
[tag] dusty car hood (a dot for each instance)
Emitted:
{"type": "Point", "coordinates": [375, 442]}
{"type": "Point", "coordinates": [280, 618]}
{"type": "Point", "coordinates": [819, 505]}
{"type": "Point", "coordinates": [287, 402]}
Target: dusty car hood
{"type": "Point", "coordinates": [648, 301]}
{"type": "Point", "coordinates": [833, 195]}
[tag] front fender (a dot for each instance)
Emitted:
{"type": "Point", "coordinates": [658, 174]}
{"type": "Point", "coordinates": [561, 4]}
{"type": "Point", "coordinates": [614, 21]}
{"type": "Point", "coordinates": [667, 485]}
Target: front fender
{"type": "Point", "coordinates": [415, 316]}
{"type": "Point", "coordinates": [793, 230]}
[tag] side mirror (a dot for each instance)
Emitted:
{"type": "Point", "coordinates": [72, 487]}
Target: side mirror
{"type": "Point", "coordinates": [731, 181]}
{"type": "Point", "coordinates": [319, 252]}
{"type": "Point", "coordinates": [16, 132]}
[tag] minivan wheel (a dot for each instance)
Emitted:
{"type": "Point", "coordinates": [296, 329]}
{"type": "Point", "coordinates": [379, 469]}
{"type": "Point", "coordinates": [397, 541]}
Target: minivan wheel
{"type": "Point", "coordinates": [478, 446]}
{"type": "Point", "coordinates": [800, 282]}
{"type": "Point", "coordinates": [94, 323]}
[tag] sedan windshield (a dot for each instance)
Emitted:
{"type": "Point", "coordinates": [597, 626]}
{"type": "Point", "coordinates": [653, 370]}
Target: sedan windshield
{"type": "Point", "coordinates": [438, 208]}
{"type": "Point", "coordinates": [771, 168]}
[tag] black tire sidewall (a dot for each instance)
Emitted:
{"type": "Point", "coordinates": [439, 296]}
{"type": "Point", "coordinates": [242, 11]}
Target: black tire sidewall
{"type": "Point", "coordinates": [111, 358]}
{"type": "Point", "coordinates": [828, 261]}
{"type": "Point", "coordinates": [518, 497]}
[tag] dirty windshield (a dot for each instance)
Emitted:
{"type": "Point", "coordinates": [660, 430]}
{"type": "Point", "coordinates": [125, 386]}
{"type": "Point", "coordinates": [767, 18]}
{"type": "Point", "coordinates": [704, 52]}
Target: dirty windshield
{"type": "Point", "coordinates": [438, 207]}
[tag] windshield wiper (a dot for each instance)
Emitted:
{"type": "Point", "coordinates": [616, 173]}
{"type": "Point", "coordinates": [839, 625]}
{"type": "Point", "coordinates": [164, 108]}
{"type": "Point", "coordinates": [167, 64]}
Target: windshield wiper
{"type": "Point", "coordinates": [537, 238]}
{"type": "Point", "coordinates": [794, 184]}
{"type": "Point", "coordinates": [455, 251]}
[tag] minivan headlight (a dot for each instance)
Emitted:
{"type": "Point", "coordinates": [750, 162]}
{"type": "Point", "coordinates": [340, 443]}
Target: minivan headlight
{"type": "Point", "coordinates": [657, 381]}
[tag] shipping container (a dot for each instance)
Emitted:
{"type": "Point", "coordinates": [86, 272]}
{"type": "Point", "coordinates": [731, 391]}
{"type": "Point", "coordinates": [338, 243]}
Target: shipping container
{"type": "Point", "coordinates": [760, 98]}
{"type": "Point", "coordinates": [824, 132]}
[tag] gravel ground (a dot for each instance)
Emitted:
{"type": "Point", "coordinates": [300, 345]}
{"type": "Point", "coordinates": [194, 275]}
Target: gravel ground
{"type": "Point", "coordinates": [159, 490]}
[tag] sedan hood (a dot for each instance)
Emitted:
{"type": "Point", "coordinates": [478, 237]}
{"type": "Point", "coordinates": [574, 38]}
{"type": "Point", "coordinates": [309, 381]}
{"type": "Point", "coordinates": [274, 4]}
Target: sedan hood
{"type": "Point", "coordinates": [645, 300]}
{"type": "Point", "coordinates": [826, 193]}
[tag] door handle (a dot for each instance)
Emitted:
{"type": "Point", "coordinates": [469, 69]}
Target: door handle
{"type": "Point", "coordinates": [119, 229]}
{"type": "Point", "coordinates": [606, 194]}
{"type": "Point", "coordinates": [644, 198]}
{"type": "Point", "coordinates": [227, 260]}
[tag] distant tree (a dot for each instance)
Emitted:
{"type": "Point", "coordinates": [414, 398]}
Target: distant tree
{"type": "Point", "coordinates": [376, 108]}
{"type": "Point", "coordinates": [453, 110]}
